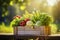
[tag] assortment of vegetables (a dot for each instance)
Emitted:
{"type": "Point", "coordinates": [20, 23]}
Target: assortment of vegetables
{"type": "Point", "coordinates": [33, 19]}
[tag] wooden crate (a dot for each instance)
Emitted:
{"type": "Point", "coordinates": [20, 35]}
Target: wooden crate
{"type": "Point", "coordinates": [29, 31]}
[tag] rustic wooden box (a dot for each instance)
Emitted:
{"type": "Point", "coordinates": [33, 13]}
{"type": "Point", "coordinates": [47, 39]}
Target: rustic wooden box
{"type": "Point", "coordinates": [29, 31]}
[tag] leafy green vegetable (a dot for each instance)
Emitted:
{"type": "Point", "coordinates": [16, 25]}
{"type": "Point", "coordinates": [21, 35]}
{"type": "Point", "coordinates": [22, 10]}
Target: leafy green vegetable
{"type": "Point", "coordinates": [44, 18]}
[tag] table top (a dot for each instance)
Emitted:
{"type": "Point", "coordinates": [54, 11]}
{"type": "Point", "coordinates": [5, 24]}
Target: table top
{"type": "Point", "coordinates": [13, 34]}
{"type": "Point", "coordinates": [54, 35]}
{"type": "Point", "coordinates": [6, 33]}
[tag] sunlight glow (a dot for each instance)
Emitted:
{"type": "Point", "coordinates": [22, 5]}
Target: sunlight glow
{"type": "Point", "coordinates": [51, 2]}
{"type": "Point", "coordinates": [36, 3]}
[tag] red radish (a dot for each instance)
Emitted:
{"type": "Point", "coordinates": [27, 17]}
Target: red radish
{"type": "Point", "coordinates": [22, 23]}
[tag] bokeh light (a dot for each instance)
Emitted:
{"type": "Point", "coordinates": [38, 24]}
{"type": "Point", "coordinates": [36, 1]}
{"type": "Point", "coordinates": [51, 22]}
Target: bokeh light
{"type": "Point", "coordinates": [11, 3]}
{"type": "Point", "coordinates": [6, 13]}
{"type": "Point", "coordinates": [22, 7]}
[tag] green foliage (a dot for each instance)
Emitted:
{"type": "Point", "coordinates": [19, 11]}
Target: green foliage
{"type": "Point", "coordinates": [54, 28]}
{"type": "Point", "coordinates": [35, 17]}
{"type": "Point", "coordinates": [16, 21]}
{"type": "Point", "coordinates": [44, 18]}
{"type": "Point", "coordinates": [27, 14]}
{"type": "Point", "coordinates": [5, 29]}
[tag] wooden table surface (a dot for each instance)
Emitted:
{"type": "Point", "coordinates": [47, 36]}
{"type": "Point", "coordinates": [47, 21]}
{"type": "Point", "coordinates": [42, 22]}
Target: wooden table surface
{"type": "Point", "coordinates": [11, 35]}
